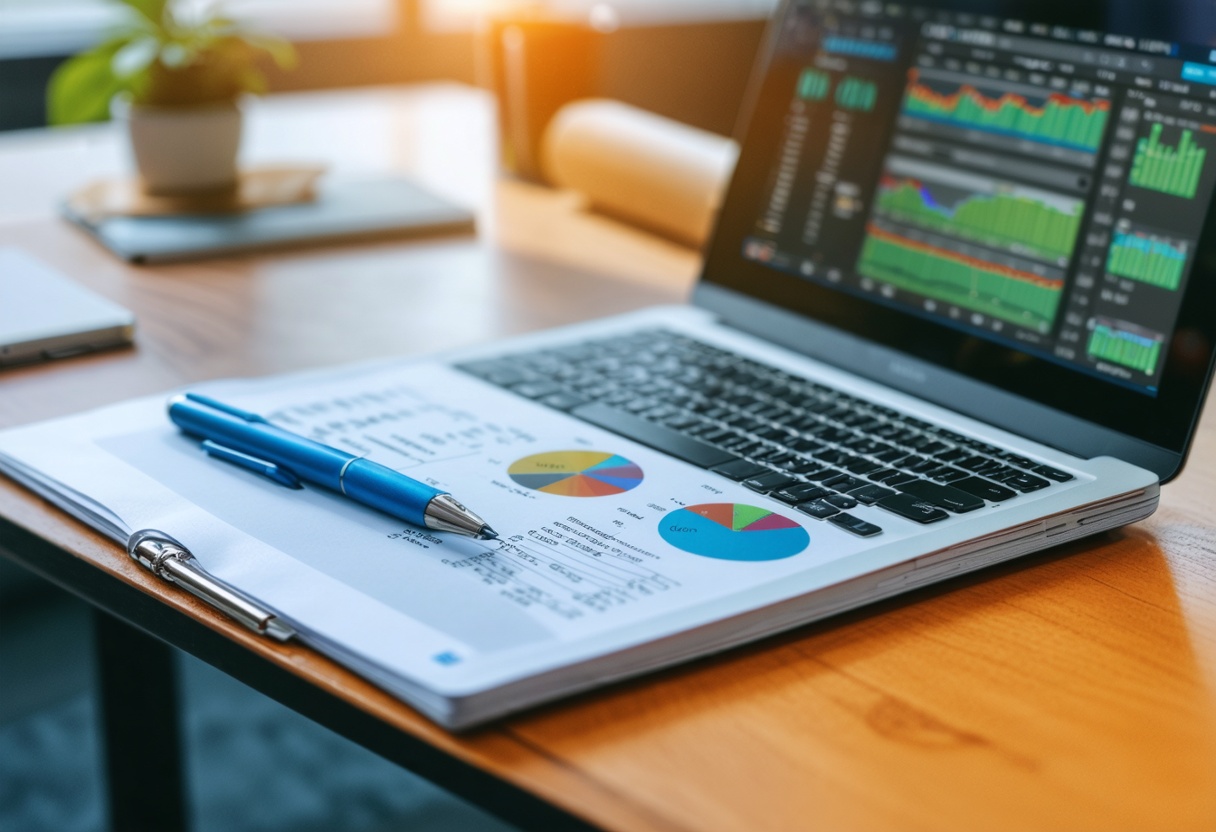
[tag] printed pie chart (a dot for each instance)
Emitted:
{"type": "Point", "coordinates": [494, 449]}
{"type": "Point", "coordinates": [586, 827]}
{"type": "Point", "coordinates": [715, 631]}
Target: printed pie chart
{"type": "Point", "coordinates": [733, 531]}
{"type": "Point", "coordinates": [577, 473]}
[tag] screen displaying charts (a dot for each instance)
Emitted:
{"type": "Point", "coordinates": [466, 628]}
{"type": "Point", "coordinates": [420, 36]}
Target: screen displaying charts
{"type": "Point", "coordinates": [1125, 344]}
{"type": "Point", "coordinates": [577, 473]}
{"type": "Point", "coordinates": [1173, 169]}
{"type": "Point", "coordinates": [964, 176]}
{"type": "Point", "coordinates": [1019, 219]}
{"type": "Point", "coordinates": [1148, 257]}
{"type": "Point", "coordinates": [984, 244]}
{"type": "Point", "coordinates": [1014, 110]}
{"type": "Point", "coordinates": [733, 531]}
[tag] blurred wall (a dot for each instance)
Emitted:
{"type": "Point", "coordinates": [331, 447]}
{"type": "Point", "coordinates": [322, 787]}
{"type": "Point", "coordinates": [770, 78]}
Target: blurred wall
{"type": "Point", "coordinates": [692, 72]}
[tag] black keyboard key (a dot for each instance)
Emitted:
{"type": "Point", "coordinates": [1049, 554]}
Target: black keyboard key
{"type": "Point", "coordinates": [765, 483]}
{"type": "Point", "coordinates": [770, 412]}
{"type": "Point", "coordinates": [883, 474]}
{"type": "Point", "coordinates": [825, 475]}
{"type": "Point", "coordinates": [985, 489]}
{"type": "Point", "coordinates": [848, 461]}
{"type": "Point", "coordinates": [844, 482]}
{"type": "Point", "coordinates": [953, 455]}
{"type": "Point", "coordinates": [537, 389]}
{"type": "Point", "coordinates": [701, 428]}
{"type": "Point", "coordinates": [770, 454]}
{"type": "Point", "coordinates": [841, 501]}
{"type": "Point", "coordinates": [736, 444]}
{"type": "Point", "coordinates": [682, 420]}
{"type": "Point", "coordinates": [949, 475]}
{"type": "Point", "coordinates": [994, 469]}
{"type": "Point", "coordinates": [862, 467]}
{"type": "Point", "coordinates": [855, 525]}
{"type": "Point", "coordinates": [1052, 473]}
{"type": "Point", "coordinates": [944, 496]}
{"type": "Point", "coordinates": [1025, 482]}
{"type": "Point", "coordinates": [740, 470]}
{"type": "Point", "coordinates": [509, 377]}
{"type": "Point", "coordinates": [744, 422]}
{"type": "Point", "coordinates": [870, 494]}
{"type": "Point", "coordinates": [656, 436]}
{"type": "Point", "coordinates": [866, 445]}
{"type": "Point", "coordinates": [818, 509]}
{"type": "Point", "coordinates": [974, 463]}
{"type": "Point", "coordinates": [563, 401]}
{"type": "Point", "coordinates": [801, 493]}
{"type": "Point", "coordinates": [748, 449]}
{"type": "Point", "coordinates": [860, 421]}
{"type": "Point", "coordinates": [921, 443]}
{"type": "Point", "coordinates": [781, 459]}
{"type": "Point", "coordinates": [806, 446]}
{"type": "Point", "coordinates": [803, 466]}
{"type": "Point", "coordinates": [996, 472]}
{"type": "Point", "coordinates": [833, 435]}
{"type": "Point", "coordinates": [912, 508]}
{"type": "Point", "coordinates": [643, 403]}
{"type": "Point", "coordinates": [718, 436]}
{"type": "Point", "coordinates": [777, 434]}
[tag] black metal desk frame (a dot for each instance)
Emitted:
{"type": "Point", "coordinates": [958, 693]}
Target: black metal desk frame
{"type": "Point", "coordinates": [134, 638]}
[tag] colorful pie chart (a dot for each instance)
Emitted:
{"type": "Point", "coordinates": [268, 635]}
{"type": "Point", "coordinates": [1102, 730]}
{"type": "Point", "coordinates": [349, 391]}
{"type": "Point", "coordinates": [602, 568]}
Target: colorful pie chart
{"type": "Point", "coordinates": [733, 531]}
{"type": "Point", "coordinates": [577, 473]}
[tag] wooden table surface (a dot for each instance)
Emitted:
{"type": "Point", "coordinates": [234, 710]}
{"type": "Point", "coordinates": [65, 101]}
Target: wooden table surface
{"type": "Point", "coordinates": [1072, 690]}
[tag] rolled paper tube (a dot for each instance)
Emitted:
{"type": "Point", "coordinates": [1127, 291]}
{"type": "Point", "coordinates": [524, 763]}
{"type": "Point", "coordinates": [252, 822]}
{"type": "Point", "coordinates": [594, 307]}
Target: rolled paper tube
{"type": "Point", "coordinates": [641, 167]}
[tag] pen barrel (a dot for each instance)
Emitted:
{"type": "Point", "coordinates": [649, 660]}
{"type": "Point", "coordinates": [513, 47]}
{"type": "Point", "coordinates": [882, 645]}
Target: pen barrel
{"type": "Point", "coordinates": [385, 489]}
{"type": "Point", "coordinates": [361, 480]}
{"type": "Point", "coordinates": [310, 461]}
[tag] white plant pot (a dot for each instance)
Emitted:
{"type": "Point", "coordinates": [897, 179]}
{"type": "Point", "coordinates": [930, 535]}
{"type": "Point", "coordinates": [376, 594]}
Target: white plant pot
{"type": "Point", "coordinates": [183, 150]}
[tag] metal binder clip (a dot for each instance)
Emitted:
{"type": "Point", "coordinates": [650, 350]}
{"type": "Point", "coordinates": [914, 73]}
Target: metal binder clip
{"type": "Point", "coordinates": [170, 561]}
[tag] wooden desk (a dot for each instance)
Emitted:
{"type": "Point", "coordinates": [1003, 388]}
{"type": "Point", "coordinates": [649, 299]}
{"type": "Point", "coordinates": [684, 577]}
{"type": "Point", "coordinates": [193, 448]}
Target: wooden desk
{"type": "Point", "coordinates": [1073, 690]}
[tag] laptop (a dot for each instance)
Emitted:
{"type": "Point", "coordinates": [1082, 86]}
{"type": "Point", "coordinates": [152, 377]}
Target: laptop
{"type": "Point", "coordinates": [45, 315]}
{"type": "Point", "coordinates": [958, 306]}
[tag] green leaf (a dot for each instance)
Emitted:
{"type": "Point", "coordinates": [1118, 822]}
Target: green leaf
{"type": "Point", "coordinates": [176, 55]}
{"type": "Point", "coordinates": [81, 88]}
{"type": "Point", "coordinates": [165, 54]}
{"type": "Point", "coordinates": [135, 57]}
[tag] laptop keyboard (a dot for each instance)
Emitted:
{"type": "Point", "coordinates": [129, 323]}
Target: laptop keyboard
{"type": "Point", "coordinates": [815, 448]}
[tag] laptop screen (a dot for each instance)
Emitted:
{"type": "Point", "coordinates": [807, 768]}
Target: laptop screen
{"type": "Point", "coordinates": [1020, 192]}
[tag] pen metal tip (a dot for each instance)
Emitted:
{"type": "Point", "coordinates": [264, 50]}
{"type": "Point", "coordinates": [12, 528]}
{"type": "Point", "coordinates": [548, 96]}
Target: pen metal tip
{"type": "Point", "coordinates": [487, 533]}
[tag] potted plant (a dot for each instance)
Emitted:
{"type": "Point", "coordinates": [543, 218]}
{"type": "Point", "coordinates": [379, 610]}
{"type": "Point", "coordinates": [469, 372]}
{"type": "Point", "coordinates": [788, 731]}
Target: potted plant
{"type": "Point", "coordinates": [175, 75]}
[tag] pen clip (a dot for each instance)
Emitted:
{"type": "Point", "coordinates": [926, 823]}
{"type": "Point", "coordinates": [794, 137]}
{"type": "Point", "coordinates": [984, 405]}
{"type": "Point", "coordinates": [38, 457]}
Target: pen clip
{"type": "Point", "coordinates": [207, 401]}
{"type": "Point", "coordinates": [270, 470]}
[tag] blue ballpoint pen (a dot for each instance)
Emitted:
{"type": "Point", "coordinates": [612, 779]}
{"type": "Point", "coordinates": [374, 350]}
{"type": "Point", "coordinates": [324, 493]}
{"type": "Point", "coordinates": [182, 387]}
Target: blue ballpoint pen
{"type": "Point", "coordinates": [250, 441]}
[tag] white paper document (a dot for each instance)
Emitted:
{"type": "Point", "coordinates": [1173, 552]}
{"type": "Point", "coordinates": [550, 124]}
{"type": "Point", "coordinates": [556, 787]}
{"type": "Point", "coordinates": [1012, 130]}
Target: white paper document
{"type": "Point", "coordinates": [613, 558]}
